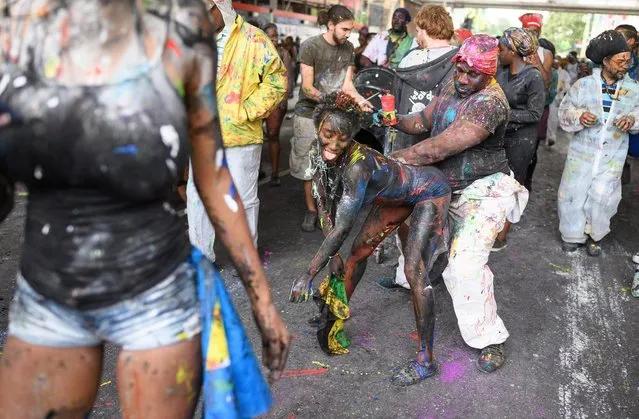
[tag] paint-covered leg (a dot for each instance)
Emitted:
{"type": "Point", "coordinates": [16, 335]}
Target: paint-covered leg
{"type": "Point", "coordinates": [424, 236]}
{"type": "Point", "coordinates": [43, 382]}
{"type": "Point", "coordinates": [381, 222]}
{"type": "Point", "coordinates": [334, 310]}
{"type": "Point", "coordinates": [162, 382]}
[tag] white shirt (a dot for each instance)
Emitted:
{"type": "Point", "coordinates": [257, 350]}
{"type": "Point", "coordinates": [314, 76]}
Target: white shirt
{"type": "Point", "coordinates": [376, 48]}
{"type": "Point", "coordinates": [423, 56]}
{"type": "Point", "coordinates": [220, 43]}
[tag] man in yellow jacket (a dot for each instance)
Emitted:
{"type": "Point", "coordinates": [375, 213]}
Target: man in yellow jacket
{"type": "Point", "coordinates": [251, 82]}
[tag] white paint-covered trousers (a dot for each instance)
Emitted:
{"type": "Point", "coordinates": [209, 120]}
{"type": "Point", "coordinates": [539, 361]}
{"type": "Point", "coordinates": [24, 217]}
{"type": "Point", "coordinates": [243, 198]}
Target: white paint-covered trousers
{"type": "Point", "coordinates": [476, 216]}
{"type": "Point", "coordinates": [244, 165]}
{"type": "Point", "coordinates": [553, 122]}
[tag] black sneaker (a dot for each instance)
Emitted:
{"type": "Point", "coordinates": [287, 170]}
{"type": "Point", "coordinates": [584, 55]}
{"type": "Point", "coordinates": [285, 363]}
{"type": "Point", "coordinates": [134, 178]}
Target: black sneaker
{"type": "Point", "coordinates": [491, 358]}
{"type": "Point", "coordinates": [310, 220]}
{"type": "Point", "coordinates": [570, 247]}
{"type": "Point", "coordinates": [275, 181]}
{"type": "Point", "coordinates": [593, 248]}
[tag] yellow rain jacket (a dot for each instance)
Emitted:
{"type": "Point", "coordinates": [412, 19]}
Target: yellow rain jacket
{"type": "Point", "coordinates": [251, 82]}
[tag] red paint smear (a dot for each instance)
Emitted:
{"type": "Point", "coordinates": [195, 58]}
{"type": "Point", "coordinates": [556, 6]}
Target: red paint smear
{"type": "Point", "coordinates": [173, 47]}
{"type": "Point", "coordinates": [97, 406]}
{"type": "Point", "coordinates": [414, 336]}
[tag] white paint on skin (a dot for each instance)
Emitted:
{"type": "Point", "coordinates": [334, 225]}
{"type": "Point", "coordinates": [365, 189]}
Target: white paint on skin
{"type": "Point", "coordinates": [20, 82]}
{"type": "Point", "coordinates": [172, 167]}
{"type": "Point", "coordinates": [37, 172]}
{"type": "Point", "coordinates": [171, 139]}
{"type": "Point", "coordinates": [219, 158]}
{"type": "Point", "coordinates": [53, 102]}
{"type": "Point", "coordinates": [4, 82]}
{"type": "Point", "coordinates": [231, 203]}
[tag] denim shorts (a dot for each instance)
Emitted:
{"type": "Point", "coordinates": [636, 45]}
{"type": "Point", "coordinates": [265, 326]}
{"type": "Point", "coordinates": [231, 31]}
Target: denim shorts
{"type": "Point", "coordinates": [163, 315]}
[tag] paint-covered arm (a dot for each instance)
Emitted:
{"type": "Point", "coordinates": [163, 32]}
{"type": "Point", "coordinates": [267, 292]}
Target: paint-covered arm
{"type": "Point", "coordinates": [355, 182]}
{"type": "Point", "coordinates": [273, 84]}
{"type": "Point", "coordinates": [459, 136]}
{"type": "Point", "coordinates": [215, 186]}
{"type": "Point", "coordinates": [481, 117]}
{"type": "Point", "coordinates": [544, 68]}
{"type": "Point", "coordinates": [634, 113]}
{"type": "Point", "coordinates": [536, 96]}
{"type": "Point", "coordinates": [326, 214]}
{"type": "Point", "coordinates": [417, 122]}
{"type": "Point", "coordinates": [308, 76]}
{"type": "Point", "coordinates": [571, 108]}
{"type": "Point", "coordinates": [290, 72]}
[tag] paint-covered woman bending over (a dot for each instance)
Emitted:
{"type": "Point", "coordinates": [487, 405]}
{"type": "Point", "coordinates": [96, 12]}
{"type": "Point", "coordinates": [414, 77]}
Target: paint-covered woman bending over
{"type": "Point", "coordinates": [349, 176]}
{"type": "Point", "coordinates": [105, 99]}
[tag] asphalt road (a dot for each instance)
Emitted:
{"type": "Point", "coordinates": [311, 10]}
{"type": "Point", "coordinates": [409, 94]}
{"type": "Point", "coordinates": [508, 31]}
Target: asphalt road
{"type": "Point", "coordinates": [572, 352]}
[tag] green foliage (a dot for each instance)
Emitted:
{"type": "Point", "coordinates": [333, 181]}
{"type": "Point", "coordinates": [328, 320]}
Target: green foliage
{"type": "Point", "coordinates": [485, 21]}
{"type": "Point", "coordinates": [565, 30]}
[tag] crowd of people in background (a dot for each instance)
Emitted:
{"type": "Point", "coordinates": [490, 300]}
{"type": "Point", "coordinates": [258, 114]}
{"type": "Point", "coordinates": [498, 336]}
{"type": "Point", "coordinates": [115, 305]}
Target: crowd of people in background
{"type": "Point", "coordinates": [535, 79]}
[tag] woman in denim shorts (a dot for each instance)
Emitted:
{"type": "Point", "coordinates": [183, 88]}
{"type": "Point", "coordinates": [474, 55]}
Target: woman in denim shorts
{"type": "Point", "coordinates": [101, 102]}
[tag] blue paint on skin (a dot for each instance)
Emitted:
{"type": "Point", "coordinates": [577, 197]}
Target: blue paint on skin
{"type": "Point", "coordinates": [450, 115]}
{"type": "Point", "coordinates": [233, 191]}
{"type": "Point", "coordinates": [207, 92]}
{"type": "Point", "coordinates": [129, 149]}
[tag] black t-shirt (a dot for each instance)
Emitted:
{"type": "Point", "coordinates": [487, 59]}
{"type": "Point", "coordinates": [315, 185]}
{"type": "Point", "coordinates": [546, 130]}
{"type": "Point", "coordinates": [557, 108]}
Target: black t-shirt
{"type": "Point", "coordinates": [330, 63]}
{"type": "Point", "coordinates": [487, 109]}
{"type": "Point", "coordinates": [526, 95]}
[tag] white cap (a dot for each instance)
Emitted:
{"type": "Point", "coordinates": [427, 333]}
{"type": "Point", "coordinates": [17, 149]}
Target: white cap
{"type": "Point", "coordinates": [226, 8]}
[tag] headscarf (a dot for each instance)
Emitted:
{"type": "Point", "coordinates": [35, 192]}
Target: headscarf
{"type": "Point", "coordinates": [405, 12]}
{"type": "Point", "coordinates": [480, 52]}
{"type": "Point", "coordinates": [606, 44]}
{"type": "Point", "coordinates": [463, 34]}
{"type": "Point", "coordinates": [226, 8]}
{"type": "Point", "coordinates": [531, 20]}
{"type": "Point", "coordinates": [520, 41]}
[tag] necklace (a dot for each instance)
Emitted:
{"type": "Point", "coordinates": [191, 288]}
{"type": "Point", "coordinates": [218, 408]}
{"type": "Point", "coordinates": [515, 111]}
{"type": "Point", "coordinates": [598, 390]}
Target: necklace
{"type": "Point", "coordinates": [615, 94]}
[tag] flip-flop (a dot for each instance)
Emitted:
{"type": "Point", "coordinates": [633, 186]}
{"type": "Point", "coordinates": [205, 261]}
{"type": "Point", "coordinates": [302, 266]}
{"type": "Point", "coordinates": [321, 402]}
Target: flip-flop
{"type": "Point", "coordinates": [413, 373]}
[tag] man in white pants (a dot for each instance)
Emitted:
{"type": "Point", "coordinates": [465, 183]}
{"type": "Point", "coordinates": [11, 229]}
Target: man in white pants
{"type": "Point", "coordinates": [251, 82]}
{"type": "Point", "coordinates": [466, 123]}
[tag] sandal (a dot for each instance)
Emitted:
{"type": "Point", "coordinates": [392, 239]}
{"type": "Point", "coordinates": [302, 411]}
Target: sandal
{"type": "Point", "coordinates": [491, 358]}
{"type": "Point", "coordinates": [593, 248]}
{"type": "Point", "coordinates": [412, 373]}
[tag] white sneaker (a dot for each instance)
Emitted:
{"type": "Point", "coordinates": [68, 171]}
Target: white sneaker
{"type": "Point", "coordinates": [635, 258]}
